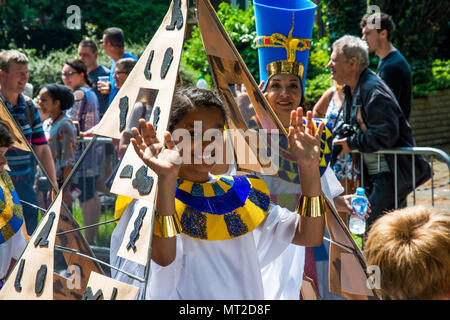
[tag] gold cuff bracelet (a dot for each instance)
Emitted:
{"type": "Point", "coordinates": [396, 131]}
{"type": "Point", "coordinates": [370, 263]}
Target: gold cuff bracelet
{"type": "Point", "coordinates": [167, 226]}
{"type": "Point", "coordinates": [311, 207]}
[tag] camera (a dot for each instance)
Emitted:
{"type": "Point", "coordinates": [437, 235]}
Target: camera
{"type": "Point", "coordinates": [343, 130]}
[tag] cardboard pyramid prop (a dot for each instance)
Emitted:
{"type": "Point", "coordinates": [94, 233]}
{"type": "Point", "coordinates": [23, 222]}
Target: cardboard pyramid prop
{"type": "Point", "coordinates": [19, 139]}
{"type": "Point", "coordinates": [73, 287]}
{"type": "Point", "coordinates": [40, 251]}
{"type": "Point", "coordinates": [153, 78]}
{"type": "Point", "coordinates": [348, 275]}
{"type": "Point", "coordinates": [155, 73]}
{"type": "Point", "coordinates": [32, 275]}
{"type": "Point", "coordinates": [64, 222]}
{"type": "Point", "coordinates": [229, 70]}
{"type": "Point", "coordinates": [227, 67]}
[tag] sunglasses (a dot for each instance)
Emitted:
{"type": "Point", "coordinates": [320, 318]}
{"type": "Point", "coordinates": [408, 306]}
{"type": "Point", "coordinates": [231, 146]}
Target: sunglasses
{"type": "Point", "coordinates": [68, 74]}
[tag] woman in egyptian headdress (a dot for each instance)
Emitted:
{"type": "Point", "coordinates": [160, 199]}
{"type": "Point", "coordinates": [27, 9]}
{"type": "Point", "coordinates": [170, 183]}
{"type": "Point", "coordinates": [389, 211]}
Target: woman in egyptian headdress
{"type": "Point", "coordinates": [283, 50]}
{"type": "Point", "coordinates": [12, 241]}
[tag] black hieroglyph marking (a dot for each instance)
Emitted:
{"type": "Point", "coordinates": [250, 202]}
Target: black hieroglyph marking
{"type": "Point", "coordinates": [17, 284]}
{"type": "Point", "coordinates": [148, 65]}
{"type": "Point", "coordinates": [40, 279]}
{"type": "Point", "coordinates": [168, 57]}
{"type": "Point", "coordinates": [218, 63]}
{"type": "Point", "coordinates": [88, 294]}
{"type": "Point", "coordinates": [127, 171]}
{"type": "Point", "coordinates": [123, 106]}
{"type": "Point", "coordinates": [142, 182]}
{"type": "Point", "coordinates": [237, 68]}
{"type": "Point", "coordinates": [177, 16]}
{"type": "Point", "coordinates": [114, 294]}
{"type": "Point", "coordinates": [156, 114]}
{"type": "Point", "coordinates": [134, 235]}
{"type": "Point", "coordinates": [42, 238]}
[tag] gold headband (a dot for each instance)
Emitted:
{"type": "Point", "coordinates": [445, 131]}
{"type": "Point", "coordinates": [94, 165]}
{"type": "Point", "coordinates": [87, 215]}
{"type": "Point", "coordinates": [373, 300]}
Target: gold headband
{"type": "Point", "coordinates": [283, 66]}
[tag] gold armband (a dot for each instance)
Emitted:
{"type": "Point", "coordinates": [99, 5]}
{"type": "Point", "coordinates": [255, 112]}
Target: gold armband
{"type": "Point", "coordinates": [311, 207]}
{"type": "Point", "coordinates": [167, 226]}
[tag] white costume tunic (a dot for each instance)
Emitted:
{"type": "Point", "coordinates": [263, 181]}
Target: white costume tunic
{"type": "Point", "coordinates": [216, 269]}
{"type": "Point", "coordinates": [11, 249]}
{"type": "Point", "coordinates": [283, 277]}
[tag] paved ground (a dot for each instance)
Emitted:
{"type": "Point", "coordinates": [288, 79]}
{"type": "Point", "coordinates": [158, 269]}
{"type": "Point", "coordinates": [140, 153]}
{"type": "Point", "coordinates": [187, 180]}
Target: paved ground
{"type": "Point", "coordinates": [441, 185]}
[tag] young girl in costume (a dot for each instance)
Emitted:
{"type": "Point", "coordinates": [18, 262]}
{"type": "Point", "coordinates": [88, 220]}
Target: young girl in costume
{"type": "Point", "coordinates": [213, 234]}
{"type": "Point", "coordinates": [12, 241]}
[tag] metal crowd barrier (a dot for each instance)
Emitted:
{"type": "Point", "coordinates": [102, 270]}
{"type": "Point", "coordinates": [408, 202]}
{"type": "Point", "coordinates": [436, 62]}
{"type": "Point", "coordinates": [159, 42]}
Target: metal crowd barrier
{"type": "Point", "coordinates": [106, 198]}
{"type": "Point", "coordinates": [427, 152]}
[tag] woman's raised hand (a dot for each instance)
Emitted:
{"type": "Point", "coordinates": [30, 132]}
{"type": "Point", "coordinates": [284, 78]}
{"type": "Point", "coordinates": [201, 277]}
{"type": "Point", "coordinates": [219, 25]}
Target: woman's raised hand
{"type": "Point", "coordinates": [304, 144]}
{"type": "Point", "coordinates": [165, 160]}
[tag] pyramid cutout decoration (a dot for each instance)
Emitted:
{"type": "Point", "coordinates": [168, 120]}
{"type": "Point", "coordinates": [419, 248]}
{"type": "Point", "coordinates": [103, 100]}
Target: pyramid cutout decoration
{"type": "Point", "coordinates": [19, 139]}
{"type": "Point", "coordinates": [348, 275]}
{"type": "Point", "coordinates": [155, 73]}
{"type": "Point", "coordinates": [32, 275]}
{"type": "Point", "coordinates": [228, 68]}
{"type": "Point", "coordinates": [62, 222]}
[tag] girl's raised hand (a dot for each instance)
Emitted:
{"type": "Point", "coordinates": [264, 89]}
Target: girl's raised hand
{"type": "Point", "coordinates": [165, 160]}
{"type": "Point", "coordinates": [304, 144]}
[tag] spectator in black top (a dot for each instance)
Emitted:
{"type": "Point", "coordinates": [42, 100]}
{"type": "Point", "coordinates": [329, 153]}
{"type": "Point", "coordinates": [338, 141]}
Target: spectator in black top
{"type": "Point", "coordinates": [377, 30]}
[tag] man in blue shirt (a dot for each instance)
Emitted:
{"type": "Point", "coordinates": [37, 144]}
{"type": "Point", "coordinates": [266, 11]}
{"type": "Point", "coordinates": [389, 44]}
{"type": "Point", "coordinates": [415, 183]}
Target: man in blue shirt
{"type": "Point", "coordinates": [113, 42]}
{"type": "Point", "coordinates": [13, 78]}
{"type": "Point", "coordinates": [88, 53]}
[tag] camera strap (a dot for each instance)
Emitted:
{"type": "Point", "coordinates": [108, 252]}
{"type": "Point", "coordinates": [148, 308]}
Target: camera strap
{"type": "Point", "coordinates": [350, 108]}
{"type": "Point", "coordinates": [346, 108]}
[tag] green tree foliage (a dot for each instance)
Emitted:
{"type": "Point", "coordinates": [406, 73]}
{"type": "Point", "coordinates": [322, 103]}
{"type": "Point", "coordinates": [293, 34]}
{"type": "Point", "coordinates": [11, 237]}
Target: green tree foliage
{"type": "Point", "coordinates": [42, 24]}
{"type": "Point", "coordinates": [421, 27]}
{"type": "Point", "coordinates": [342, 17]}
{"type": "Point", "coordinates": [138, 19]}
{"type": "Point", "coordinates": [34, 24]}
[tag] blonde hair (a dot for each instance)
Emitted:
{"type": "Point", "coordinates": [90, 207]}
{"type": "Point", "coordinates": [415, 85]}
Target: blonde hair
{"type": "Point", "coordinates": [9, 56]}
{"type": "Point", "coordinates": [411, 247]}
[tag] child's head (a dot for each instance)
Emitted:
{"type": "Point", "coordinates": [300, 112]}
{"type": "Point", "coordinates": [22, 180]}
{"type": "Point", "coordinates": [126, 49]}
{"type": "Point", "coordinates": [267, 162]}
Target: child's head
{"type": "Point", "coordinates": [192, 98]}
{"type": "Point", "coordinates": [411, 247]}
{"type": "Point", "coordinates": [6, 141]}
{"type": "Point", "coordinates": [193, 109]}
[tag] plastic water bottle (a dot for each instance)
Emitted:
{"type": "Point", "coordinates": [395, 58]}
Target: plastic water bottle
{"type": "Point", "coordinates": [201, 83]}
{"type": "Point", "coordinates": [359, 201]}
